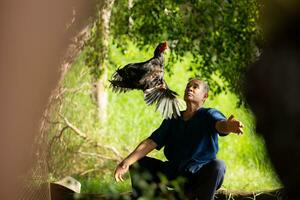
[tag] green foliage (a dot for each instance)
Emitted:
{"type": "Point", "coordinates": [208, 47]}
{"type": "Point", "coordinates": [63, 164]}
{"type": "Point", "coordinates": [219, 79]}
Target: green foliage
{"type": "Point", "coordinates": [95, 52]}
{"type": "Point", "coordinates": [221, 35]}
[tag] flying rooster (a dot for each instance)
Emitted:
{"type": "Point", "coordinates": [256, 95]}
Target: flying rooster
{"type": "Point", "coordinates": [148, 76]}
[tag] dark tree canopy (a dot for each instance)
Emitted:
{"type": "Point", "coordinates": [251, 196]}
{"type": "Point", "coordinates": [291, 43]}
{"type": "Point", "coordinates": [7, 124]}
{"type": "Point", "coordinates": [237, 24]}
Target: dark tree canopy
{"type": "Point", "coordinates": [222, 35]}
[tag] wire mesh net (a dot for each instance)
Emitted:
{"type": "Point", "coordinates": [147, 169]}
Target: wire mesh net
{"type": "Point", "coordinates": [35, 183]}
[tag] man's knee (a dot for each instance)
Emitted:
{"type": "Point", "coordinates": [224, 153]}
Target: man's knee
{"type": "Point", "coordinates": [141, 164]}
{"type": "Point", "coordinates": [218, 166]}
{"type": "Point", "coordinates": [144, 161]}
{"type": "Point", "coordinates": [145, 165]}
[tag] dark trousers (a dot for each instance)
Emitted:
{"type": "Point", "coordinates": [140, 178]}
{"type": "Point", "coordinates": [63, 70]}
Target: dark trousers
{"type": "Point", "coordinates": [146, 179]}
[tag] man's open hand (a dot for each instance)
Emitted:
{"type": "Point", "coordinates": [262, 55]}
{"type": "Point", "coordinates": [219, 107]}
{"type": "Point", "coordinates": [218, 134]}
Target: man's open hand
{"type": "Point", "coordinates": [121, 169]}
{"type": "Point", "coordinates": [234, 125]}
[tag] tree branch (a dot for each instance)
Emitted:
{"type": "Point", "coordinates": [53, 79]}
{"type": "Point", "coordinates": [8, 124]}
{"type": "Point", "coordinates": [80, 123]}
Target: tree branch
{"type": "Point", "coordinates": [113, 149]}
{"type": "Point", "coordinates": [89, 140]}
{"type": "Point", "coordinates": [74, 128]}
{"type": "Point", "coordinates": [98, 156]}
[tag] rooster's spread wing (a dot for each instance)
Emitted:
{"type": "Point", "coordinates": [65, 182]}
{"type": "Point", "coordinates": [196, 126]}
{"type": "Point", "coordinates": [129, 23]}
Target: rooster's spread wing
{"type": "Point", "coordinates": [165, 100]}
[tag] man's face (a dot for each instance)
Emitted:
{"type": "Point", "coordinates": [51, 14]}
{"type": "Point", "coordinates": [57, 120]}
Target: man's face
{"type": "Point", "coordinates": [195, 92]}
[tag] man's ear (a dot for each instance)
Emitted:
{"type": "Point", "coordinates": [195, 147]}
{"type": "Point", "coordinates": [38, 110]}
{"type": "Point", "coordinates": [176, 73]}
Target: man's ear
{"type": "Point", "coordinates": [206, 95]}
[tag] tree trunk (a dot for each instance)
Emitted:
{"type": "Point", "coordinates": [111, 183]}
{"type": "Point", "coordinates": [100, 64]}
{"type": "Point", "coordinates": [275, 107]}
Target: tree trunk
{"type": "Point", "coordinates": [102, 96]}
{"type": "Point", "coordinates": [130, 20]}
{"type": "Point", "coordinates": [101, 93]}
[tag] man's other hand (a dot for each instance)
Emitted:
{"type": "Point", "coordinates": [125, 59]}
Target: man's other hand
{"type": "Point", "coordinates": [234, 125]}
{"type": "Point", "coordinates": [121, 169]}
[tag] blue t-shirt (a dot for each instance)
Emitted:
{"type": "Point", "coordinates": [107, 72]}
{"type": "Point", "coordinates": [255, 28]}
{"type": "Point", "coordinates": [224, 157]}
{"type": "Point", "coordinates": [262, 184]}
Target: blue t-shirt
{"type": "Point", "coordinates": [190, 144]}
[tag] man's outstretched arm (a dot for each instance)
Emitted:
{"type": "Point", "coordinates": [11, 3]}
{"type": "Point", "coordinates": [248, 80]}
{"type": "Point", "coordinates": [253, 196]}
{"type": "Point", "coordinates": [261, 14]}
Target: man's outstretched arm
{"type": "Point", "coordinates": [230, 125]}
{"type": "Point", "coordinates": [140, 151]}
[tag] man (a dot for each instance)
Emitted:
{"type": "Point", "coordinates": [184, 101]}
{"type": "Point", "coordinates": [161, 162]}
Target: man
{"type": "Point", "coordinates": [190, 144]}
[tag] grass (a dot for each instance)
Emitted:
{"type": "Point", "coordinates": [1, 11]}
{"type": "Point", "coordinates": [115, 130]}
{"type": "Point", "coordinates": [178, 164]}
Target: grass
{"type": "Point", "coordinates": [130, 121]}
